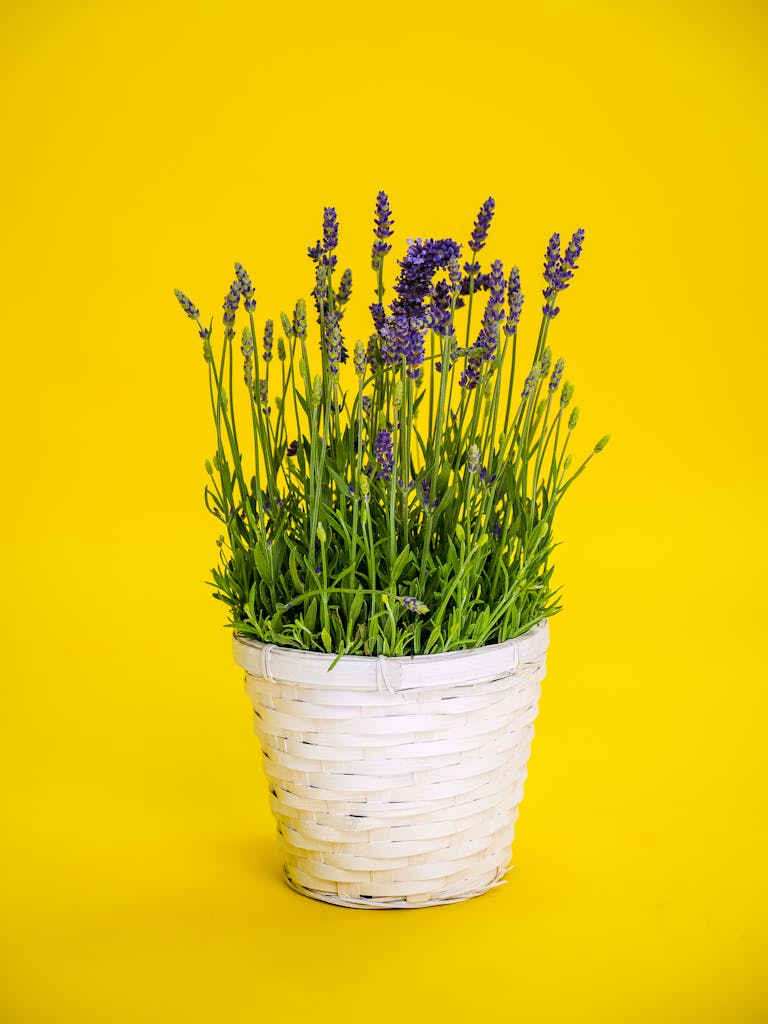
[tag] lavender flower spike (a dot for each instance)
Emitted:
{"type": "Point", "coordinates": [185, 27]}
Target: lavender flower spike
{"type": "Point", "coordinates": [330, 229]}
{"type": "Point", "coordinates": [557, 374]}
{"type": "Point", "coordinates": [334, 343]}
{"type": "Point", "coordinates": [330, 238]}
{"type": "Point", "coordinates": [382, 229]}
{"type": "Point", "coordinates": [300, 320]}
{"type": "Point", "coordinates": [482, 224]}
{"type": "Point", "coordinates": [361, 358]}
{"type": "Point", "coordinates": [551, 257]}
{"type": "Point", "coordinates": [344, 292]}
{"type": "Point", "coordinates": [558, 269]}
{"type": "Point", "coordinates": [516, 298]}
{"type": "Point", "coordinates": [231, 302]}
{"type": "Point", "coordinates": [287, 325]}
{"type": "Point", "coordinates": [384, 457]}
{"type": "Point", "coordinates": [186, 304]}
{"type": "Point", "coordinates": [268, 329]}
{"type": "Point", "coordinates": [246, 287]}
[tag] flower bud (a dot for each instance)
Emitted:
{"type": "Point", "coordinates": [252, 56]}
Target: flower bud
{"type": "Point", "coordinates": [321, 534]}
{"type": "Point", "coordinates": [460, 533]}
{"type": "Point", "coordinates": [574, 418]}
{"type": "Point", "coordinates": [602, 443]}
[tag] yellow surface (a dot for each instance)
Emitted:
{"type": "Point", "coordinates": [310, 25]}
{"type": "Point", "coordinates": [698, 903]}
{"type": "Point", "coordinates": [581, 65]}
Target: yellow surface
{"type": "Point", "coordinates": [146, 147]}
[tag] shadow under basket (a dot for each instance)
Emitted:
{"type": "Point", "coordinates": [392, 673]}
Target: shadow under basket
{"type": "Point", "coordinates": [395, 782]}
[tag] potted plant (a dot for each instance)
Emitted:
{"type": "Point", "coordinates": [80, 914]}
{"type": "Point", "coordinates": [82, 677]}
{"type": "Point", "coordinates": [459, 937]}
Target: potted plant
{"type": "Point", "coordinates": [387, 558]}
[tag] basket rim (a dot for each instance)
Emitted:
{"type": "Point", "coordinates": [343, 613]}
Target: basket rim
{"type": "Point", "coordinates": [409, 672]}
{"type": "Point", "coordinates": [241, 639]}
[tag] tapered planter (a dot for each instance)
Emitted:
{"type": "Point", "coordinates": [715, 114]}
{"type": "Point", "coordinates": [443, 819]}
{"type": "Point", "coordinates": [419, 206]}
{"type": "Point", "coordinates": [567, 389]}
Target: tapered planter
{"type": "Point", "coordinates": [395, 782]}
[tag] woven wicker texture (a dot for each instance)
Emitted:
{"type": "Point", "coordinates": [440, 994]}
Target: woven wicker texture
{"type": "Point", "coordinates": [395, 782]}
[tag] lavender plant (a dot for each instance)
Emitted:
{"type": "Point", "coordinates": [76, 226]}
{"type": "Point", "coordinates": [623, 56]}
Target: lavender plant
{"type": "Point", "coordinates": [402, 503]}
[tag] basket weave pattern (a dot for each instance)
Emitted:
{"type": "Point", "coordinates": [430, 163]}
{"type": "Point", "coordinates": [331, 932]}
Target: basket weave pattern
{"type": "Point", "coordinates": [395, 782]}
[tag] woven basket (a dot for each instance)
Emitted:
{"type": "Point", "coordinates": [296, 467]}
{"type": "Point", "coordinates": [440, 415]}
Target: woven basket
{"type": "Point", "coordinates": [395, 782]}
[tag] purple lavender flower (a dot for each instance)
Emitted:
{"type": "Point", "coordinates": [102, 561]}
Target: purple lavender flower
{"type": "Point", "coordinates": [384, 456]}
{"type": "Point", "coordinates": [516, 298]}
{"type": "Point", "coordinates": [530, 381]}
{"type": "Point", "coordinates": [473, 459]}
{"type": "Point", "coordinates": [344, 292]}
{"type": "Point", "coordinates": [321, 286]}
{"type": "Point", "coordinates": [496, 528]}
{"type": "Point", "coordinates": [264, 397]}
{"type": "Point", "coordinates": [315, 251]}
{"type": "Point", "coordinates": [366, 403]}
{"type": "Point", "coordinates": [413, 604]}
{"type": "Point", "coordinates": [231, 302]}
{"type": "Point", "coordinates": [186, 304]}
{"type": "Point", "coordinates": [546, 360]}
{"type": "Point", "coordinates": [482, 224]}
{"type": "Point", "coordinates": [454, 273]}
{"type": "Point", "coordinates": [292, 448]}
{"type": "Point", "coordinates": [330, 229]}
{"type": "Point", "coordinates": [551, 257]}
{"type": "Point", "coordinates": [378, 315]}
{"type": "Point", "coordinates": [300, 320]}
{"type": "Point", "coordinates": [440, 309]}
{"type": "Point", "coordinates": [334, 342]}
{"type": "Point", "coordinates": [557, 373]}
{"type": "Point", "coordinates": [403, 331]}
{"type": "Point", "coordinates": [320, 292]}
{"type": "Point", "coordinates": [418, 267]}
{"type": "Point", "coordinates": [360, 358]}
{"type": "Point", "coordinates": [484, 348]}
{"type": "Point", "coordinates": [287, 325]}
{"type": "Point", "coordinates": [382, 229]}
{"type": "Point", "coordinates": [268, 330]}
{"type": "Point", "coordinates": [373, 342]}
{"type": "Point", "coordinates": [330, 237]}
{"type": "Point", "coordinates": [558, 269]}
{"type": "Point", "coordinates": [246, 287]}
{"type": "Point", "coordinates": [568, 263]}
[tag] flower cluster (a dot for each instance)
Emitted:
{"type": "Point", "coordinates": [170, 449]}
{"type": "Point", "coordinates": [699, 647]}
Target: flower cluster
{"type": "Point", "coordinates": [403, 330]}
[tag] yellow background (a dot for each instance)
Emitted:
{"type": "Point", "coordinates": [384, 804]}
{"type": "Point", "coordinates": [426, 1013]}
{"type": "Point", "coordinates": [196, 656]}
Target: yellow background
{"type": "Point", "coordinates": [147, 146]}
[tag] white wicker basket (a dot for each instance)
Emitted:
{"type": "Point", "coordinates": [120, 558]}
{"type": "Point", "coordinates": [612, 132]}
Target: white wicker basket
{"type": "Point", "coordinates": [395, 782]}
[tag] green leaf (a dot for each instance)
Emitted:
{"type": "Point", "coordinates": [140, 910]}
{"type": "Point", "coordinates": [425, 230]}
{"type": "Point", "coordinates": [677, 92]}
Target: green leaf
{"type": "Point", "coordinates": [310, 616]}
{"type": "Point", "coordinates": [354, 612]}
{"type": "Point", "coordinates": [400, 563]}
{"type": "Point", "coordinates": [293, 569]}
